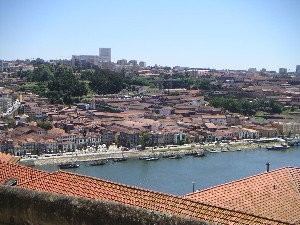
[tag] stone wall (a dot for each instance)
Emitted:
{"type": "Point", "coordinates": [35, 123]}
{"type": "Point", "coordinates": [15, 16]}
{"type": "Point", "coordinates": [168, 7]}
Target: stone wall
{"type": "Point", "coordinates": [20, 206]}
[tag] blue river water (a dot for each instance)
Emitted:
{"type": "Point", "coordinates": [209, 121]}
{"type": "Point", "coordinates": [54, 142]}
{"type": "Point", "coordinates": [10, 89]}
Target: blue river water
{"type": "Point", "coordinates": [175, 176]}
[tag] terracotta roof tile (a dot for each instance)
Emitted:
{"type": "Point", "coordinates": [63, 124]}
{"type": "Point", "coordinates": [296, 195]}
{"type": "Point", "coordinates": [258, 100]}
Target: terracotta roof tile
{"type": "Point", "coordinates": [78, 185]}
{"type": "Point", "coordinates": [22, 173]}
{"type": "Point", "coordinates": [274, 195]}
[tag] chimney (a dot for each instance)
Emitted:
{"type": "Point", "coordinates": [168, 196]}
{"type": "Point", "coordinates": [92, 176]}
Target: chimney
{"type": "Point", "coordinates": [268, 166]}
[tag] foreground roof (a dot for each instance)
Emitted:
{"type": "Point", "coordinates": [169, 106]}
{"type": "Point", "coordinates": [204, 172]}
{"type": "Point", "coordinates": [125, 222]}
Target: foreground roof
{"type": "Point", "coordinates": [82, 186]}
{"type": "Point", "coordinates": [71, 184]}
{"type": "Point", "coordinates": [274, 195]}
{"type": "Point", "coordinates": [20, 173]}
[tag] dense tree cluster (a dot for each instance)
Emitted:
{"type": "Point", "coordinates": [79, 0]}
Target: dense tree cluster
{"type": "Point", "coordinates": [246, 107]}
{"type": "Point", "coordinates": [45, 125]}
{"type": "Point", "coordinates": [60, 84]}
{"type": "Point", "coordinates": [64, 86]}
{"type": "Point", "coordinates": [107, 82]}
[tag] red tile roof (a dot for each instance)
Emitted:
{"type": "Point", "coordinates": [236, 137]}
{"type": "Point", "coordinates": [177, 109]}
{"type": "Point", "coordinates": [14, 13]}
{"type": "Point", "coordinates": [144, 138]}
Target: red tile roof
{"type": "Point", "coordinates": [22, 173]}
{"type": "Point", "coordinates": [274, 195]}
{"type": "Point", "coordinates": [5, 157]}
{"type": "Point", "coordinates": [82, 186]}
{"type": "Point", "coordinates": [9, 158]}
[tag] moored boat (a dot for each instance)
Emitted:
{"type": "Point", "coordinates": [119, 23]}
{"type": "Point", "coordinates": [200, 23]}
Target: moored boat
{"type": "Point", "coordinates": [68, 165]}
{"type": "Point", "coordinates": [168, 155]}
{"type": "Point", "coordinates": [152, 159]}
{"type": "Point", "coordinates": [278, 147]}
{"type": "Point", "coordinates": [98, 163]}
{"type": "Point", "coordinates": [120, 159]}
{"type": "Point", "coordinates": [144, 157]}
{"type": "Point", "coordinates": [177, 156]}
{"type": "Point", "coordinates": [199, 154]}
{"type": "Point", "coordinates": [192, 153]}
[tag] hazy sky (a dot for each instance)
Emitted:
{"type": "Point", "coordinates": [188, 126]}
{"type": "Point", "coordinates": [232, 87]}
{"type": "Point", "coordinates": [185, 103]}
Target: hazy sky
{"type": "Point", "coordinates": [221, 34]}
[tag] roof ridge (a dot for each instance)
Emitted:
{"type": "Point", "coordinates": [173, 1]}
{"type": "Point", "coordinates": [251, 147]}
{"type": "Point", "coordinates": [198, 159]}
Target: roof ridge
{"type": "Point", "coordinates": [240, 180]}
{"type": "Point", "coordinates": [120, 184]}
{"type": "Point", "coordinates": [169, 195]}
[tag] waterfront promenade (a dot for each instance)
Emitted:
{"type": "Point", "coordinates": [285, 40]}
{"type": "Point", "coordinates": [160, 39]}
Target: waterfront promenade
{"type": "Point", "coordinates": [113, 152]}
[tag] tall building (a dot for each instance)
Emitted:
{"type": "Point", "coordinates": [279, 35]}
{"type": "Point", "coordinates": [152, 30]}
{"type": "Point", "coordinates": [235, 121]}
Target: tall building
{"type": "Point", "coordinates": [122, 62]}
{"type": "Point", "coordinates": [282, 70]}
{"type": "Point", "coordinates": [105, 54]}
{"type": "Point", "coordinates": [142, 64]}
{"type": "Point", "coordinates": [252, 70]}
{"type": "Point", "coordinates": [297, 73]}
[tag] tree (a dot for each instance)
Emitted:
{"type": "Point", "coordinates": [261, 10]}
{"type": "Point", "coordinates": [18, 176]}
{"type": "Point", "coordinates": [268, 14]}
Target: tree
{"type": "Point", "coordinates": [45, 125]}
{"type": "Point", "coordinates": [106, 82]}
{"type": "Point", "coordinates": [144, 139]}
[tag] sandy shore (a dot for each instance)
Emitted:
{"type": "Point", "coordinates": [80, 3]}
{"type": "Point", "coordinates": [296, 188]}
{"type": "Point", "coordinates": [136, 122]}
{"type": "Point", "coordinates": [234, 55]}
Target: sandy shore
{"type": "Point", "coordinates": [132, 154]}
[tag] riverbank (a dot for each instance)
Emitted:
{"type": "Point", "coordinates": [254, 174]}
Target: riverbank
{"type": "Point", "coordinates": [133, 154]}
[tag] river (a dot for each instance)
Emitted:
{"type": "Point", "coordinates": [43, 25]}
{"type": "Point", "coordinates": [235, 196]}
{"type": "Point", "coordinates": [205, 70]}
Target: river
{"type": "Point", "coordinates": [175, 176]}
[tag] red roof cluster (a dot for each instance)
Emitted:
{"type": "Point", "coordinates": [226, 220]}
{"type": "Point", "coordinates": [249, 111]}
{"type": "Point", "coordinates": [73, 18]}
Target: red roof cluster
{"type": "Point", "coordinates": [71, 184]}
{"type": "Point", "coordinates": [21, 173]}
{"type": "Point", "coordinates": [9, 158]}
{"type": "Point", "coordinates": [274, 194]}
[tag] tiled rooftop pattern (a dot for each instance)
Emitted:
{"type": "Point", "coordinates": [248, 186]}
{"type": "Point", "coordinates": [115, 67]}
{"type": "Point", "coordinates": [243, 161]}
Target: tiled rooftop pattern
{"type": "Point", "coordinates": [66, 183]}
{"type": "Point", "coordinates": [22, 173]}
{"type": "Point", "coordinates": [274, 195]}
{"type": "Point", "coordinates": [5, 157]}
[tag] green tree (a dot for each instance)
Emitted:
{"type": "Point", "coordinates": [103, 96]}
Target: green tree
{"type": "Point", "coordinates": [144, 139]}
{"type": "Point", "coordinates": [106, 82]}
{"type": "Point", "coordinates": [45, 125]}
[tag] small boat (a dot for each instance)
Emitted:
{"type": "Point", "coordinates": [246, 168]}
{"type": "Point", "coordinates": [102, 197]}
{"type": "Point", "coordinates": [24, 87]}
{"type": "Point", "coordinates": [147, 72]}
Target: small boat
{"type": "Point", "coordinates": [168, 155]}
{"type": "Point", "coordinates": [199, 154]}
{"type": "Point", "coordinates": [120, 159]}
{"type": "Point", "coordinates": [278, 147]}
{"type": "Point", "coordinates": [214, 151]}
{"type": "Point", "coordinates": [98, 163]}
{"type": "Point", "coordinates": [144, 157]}
{"type": "Point", "coordinates": [152, 159]}
{"type": "Point", "coordinates": [295, 142]}
{"type": "Point", "coordinates": [176, 157]}
{"type": "Point", "coordinates": [224, 150]}
{"type": "Point", "coordinates": [68, 165]}
{"type": "Point", "coordinates": [192, 153]}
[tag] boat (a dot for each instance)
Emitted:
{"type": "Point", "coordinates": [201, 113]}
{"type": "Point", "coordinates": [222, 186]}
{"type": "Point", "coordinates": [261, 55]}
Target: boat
{"type": "Point", "coordinates": [120, 159]}
{"type": "Point", "coordinates": [176, 157]}
{"type": "Point", "coordinates": [98, 163]}
{"type": "Point", "coordinates": [295, 142]}
{"type": "Point", "coordinates": [214, 151]}
{"type": "Point", "coordinates": [144, 157]}
{"type": "Point", "coordinates": [199, 154]}
{"type": "Point", "coordinates": [68, 165]}
{"type": "Point", "coordinates": [168, 155]}
{"type": "Point", "coordinates": [192, 153]}
{"type": "Point", "coordinates": [278, 147]}
{"type": "Point", "coordinates": [152, 159]}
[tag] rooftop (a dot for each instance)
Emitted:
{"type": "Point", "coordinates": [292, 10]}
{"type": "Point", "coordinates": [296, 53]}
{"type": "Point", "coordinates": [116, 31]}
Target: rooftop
{"type": "Point", "coordinates": [274, 195]}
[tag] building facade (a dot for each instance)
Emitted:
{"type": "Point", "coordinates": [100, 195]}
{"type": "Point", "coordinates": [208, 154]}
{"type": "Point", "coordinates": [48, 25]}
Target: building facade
{"type": "Point", "coordinates": [105, 54]}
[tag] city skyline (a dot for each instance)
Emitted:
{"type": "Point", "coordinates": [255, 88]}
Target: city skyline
{"type": "Point", "coordinates": [211, 34]}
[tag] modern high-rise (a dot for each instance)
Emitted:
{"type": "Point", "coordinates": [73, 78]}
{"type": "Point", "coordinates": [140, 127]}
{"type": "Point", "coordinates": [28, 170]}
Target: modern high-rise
{"type": "Point", "coordinates": [297, 73]}
{"type": "Point", "coordinates": [142, 64]}
{"type": "Point", "coordinates": [282, 70]}
{"type": "Point", "coordinates": [105, 54]}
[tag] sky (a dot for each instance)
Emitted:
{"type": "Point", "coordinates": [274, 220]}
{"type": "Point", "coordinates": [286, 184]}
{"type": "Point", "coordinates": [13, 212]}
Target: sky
{"type": "Point", "coordinates": [220, 34]}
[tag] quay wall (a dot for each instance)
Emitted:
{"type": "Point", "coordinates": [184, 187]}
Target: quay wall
{"type": "Point", "coordinates": [20, 206]}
